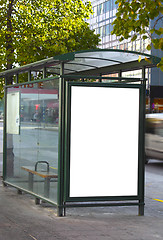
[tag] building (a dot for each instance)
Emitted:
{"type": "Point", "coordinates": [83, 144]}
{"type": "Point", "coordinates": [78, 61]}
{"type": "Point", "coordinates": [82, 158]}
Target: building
{"type": "Point", "coordinates": [101, 22]}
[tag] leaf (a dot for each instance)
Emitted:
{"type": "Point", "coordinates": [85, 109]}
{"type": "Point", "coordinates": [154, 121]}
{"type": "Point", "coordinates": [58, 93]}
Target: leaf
{"type": "Point", "coordinates": [148, 47]}
{"type": "Point", "coordinates": [135, 16]}
{"type": "Point", "coordinates": [146, 59]}
{"type": "Point", "coordinates": [145, 37]}
{"type": "Point", "coordinates": [44, 28]}
{"type": "Point", "coordinates": [134, 38]}
{"type": "Point", "coordinates": [139, 59]}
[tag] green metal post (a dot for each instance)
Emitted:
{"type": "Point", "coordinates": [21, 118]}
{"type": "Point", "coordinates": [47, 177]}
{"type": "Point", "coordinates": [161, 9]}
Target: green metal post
{"type": "Point", "coordinates": [142, 168]}
{"type": "Point", "coordinates": [44, 72]}
{"type": "Point", "coordinates": [5, 80]}
{"type": "Point", "coordinates": [120, 74]}
{"type": "Point", "coordinates": [29, 76]}
{"type": "Point", "coordinates": [17, 78]}
{"type": "Point", "coordinates": [4, 135]}
{"type": "Point", "coordinates": [60, 197]}
{"type": "Point", "coordinates": [143, 74]}
{"type": "Point", "coordinates": [100, 80]}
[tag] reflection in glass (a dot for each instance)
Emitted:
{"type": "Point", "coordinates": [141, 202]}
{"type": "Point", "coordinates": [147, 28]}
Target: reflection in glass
{"type": "Point", "coordinates": [32, 152]}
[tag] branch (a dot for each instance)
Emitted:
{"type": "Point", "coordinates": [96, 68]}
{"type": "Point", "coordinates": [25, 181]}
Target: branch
{"type": "Point", "coordinates": [157, 21]}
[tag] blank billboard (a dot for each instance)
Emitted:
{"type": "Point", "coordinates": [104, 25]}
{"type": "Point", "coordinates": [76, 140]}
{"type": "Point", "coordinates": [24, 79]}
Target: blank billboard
{"type": "Point", "coordinates": [104, 141]}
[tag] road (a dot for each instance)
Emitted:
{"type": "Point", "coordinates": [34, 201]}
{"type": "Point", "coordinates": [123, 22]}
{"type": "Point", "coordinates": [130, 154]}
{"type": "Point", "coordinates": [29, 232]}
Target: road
{"type": "Point", "coordinates": [154, 188]}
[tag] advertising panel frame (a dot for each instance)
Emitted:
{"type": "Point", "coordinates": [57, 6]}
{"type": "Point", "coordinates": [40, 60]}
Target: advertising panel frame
{"type": "Point", "coordinates": [101, 200]}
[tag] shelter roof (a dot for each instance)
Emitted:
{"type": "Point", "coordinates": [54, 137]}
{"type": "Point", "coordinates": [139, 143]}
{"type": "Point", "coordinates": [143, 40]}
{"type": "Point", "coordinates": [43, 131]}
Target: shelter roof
{"type": "Point", "coordinates": [90, 62]}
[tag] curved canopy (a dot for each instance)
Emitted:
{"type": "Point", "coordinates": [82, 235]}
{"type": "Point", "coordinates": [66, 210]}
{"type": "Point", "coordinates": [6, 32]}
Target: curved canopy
{"type": "Point", "coordinates": [90, 62]}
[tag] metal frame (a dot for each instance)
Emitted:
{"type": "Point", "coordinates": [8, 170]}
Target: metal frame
{"type": "Point", "coordinates": [101, 201]}
{"type": "Point", "coordinates": [63, 199]}
{"type": "Point", "coordinates": [6, 182]}
{"type": "Point", "coordinates": [57, 61]}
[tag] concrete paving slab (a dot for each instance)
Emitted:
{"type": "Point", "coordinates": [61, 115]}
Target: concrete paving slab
{"type": "Point", "coordinates": [21, 219]}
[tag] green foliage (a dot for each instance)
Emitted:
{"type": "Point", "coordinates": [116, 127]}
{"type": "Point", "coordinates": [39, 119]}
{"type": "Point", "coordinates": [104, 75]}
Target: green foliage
{"type": "Point", "coordinates": [133, 18]}
{"type": "Point", "coordinates": [32, 30]}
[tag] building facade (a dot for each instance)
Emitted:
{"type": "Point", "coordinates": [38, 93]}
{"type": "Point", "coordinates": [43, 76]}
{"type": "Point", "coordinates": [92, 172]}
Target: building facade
{"type": "Point", "coordinates": [101, 21]}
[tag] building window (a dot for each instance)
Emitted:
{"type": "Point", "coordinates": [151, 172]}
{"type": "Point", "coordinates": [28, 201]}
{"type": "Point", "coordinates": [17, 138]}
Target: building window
{"type": "Point", "coordinates": [130, 46]}
{"type": "Point", "coordinates": [138, 46]}
{"type": "Point", "coordinates": [142, 45]}
{"type": "Point", "coordinates": [100, 9]}
{"type": "Point", "coordinates": [121, 46]}
{"type": "Point", "coordinates": [125, 46]}
{"type": "Point", "coordinates": [102, 31]}
{"type": "Point", "coordinates": [114, 5]}
{"type": "Point", "coordinates": [107, 6]}
{"type": "Point", "coordinates": [111, 5]}
{"type": "Point", "coordinates": [94, 11]}
{"type": "Point", "coordinates": [107, 29]}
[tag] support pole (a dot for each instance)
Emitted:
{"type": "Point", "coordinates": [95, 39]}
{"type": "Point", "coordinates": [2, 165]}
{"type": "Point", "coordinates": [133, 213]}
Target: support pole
{"type": "Point", "coordinates": [143, 73]}
{"type": "Point", "coordinates": [100, 80]}
{"type": "Point", "coordinates": [17, 78]}
{"type": "Point", "coordinates": [142, 157]}
{"type": "Point", "coordinates": [141, 209]}
{"type": "Point", "coordinates": [120, 74]}
{"type": "Point", "coordinates": [29, 76]}
{"type": "Point", "coordinates": [60, 197]}
{"type": "Point", "coordinates": [44, 72]}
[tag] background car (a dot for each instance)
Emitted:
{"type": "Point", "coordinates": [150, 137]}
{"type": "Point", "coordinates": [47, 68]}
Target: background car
{"type": "Point", "coordinates": [154, 136]}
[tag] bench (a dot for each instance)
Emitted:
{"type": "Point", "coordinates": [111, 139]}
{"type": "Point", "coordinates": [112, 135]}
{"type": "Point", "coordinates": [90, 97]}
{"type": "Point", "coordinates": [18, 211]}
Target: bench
{"type": "Point", "coordinates": [47, 175]}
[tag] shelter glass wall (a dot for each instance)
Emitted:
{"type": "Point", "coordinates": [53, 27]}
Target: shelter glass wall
{"type": "Point", "coordinates": [32, 116]}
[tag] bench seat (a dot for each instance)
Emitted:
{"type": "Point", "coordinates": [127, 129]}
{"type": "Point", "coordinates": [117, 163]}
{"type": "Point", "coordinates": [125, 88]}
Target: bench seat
{"type": "Point", "coordinates": [47, 175]}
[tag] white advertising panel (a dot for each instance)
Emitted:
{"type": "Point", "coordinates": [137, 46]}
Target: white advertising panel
{"type": "Point", "coordinates": [13, 116]}
{"type": "Point", "coordinates": [104, 141]}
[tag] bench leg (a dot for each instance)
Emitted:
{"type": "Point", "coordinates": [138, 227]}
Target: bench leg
{"type": "Point", "coordinates": [30, 182]}
{"type": "Point", "coordinates": [4, 184]}
{"type": "Point", "coordinates": [37, 201]}
{"type": "Point", "coordinates": [46, 187]}
{"type": "Point", "coordinates": [19, 192]}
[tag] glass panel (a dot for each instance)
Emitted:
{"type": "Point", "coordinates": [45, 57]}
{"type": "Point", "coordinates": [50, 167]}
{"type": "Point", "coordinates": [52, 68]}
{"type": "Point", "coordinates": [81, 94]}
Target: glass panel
{"type": "Point", "coordinates": [114, 4]}
{"type": "Point", "coordinates": [107, 29]}
{"type": "Point", "coordinates": [91, 59]}
{"type": "Point", "coordinates": [32, 152]}
{"type": "Point", "coordinates": [100, 9]}
{"type": "Point", "coordinates": [107, 6]}
{"type": "Point", "coordinates": [101, 59]}
{"type": "Point", "coordinates": [95, 11]}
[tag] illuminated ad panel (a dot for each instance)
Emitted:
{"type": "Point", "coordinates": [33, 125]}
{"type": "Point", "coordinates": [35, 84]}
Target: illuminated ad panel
{"type": "Point", "coordinates": [104, 141]}
{"type": "Point", "coordinates": [13, 109]}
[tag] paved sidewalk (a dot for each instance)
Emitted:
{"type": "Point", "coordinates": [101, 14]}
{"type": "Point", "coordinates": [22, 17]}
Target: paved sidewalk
{"type": "Point", "coordinates": [21, 219]}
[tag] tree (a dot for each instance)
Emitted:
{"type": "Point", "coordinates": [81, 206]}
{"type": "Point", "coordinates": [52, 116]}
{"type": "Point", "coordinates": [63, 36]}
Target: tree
{"type": "Point", "coordinates": [32, 30]}
{"type": "Point", "coordinates": [133, 19]}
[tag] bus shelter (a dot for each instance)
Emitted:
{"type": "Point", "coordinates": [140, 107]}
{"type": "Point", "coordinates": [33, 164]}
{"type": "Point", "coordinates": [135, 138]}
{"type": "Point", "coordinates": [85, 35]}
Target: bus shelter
{"type": "Point", "coordinates": [75, 136]}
